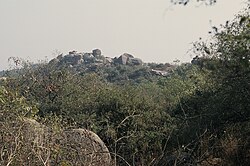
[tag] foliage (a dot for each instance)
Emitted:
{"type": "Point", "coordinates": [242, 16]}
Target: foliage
{"type": "Point", "coordinates": [124, 114]}
{"type": "Point", "coordinates": [13, 109]}
{"type": "Point", "coordinates": [197, 114]}
{"type": "Point", "coordinates": [207, 115]}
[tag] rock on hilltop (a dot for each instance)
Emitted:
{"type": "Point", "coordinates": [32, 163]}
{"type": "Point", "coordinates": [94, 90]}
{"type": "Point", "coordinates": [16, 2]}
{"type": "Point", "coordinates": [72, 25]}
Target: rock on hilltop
{"type": "Point", "coordinates": [74, 58]}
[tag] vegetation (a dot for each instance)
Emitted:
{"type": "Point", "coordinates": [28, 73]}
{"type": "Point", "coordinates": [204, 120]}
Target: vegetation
{"type": "Point", "coordinates": [198, 114]}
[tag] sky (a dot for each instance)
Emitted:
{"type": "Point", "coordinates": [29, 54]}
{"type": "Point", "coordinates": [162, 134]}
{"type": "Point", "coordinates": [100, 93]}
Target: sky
{"type": "Point", "coordinates": [152, 30]}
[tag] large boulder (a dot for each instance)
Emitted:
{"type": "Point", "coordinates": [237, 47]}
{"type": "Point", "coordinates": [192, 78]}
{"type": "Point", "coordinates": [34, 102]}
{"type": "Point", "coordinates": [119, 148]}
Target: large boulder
{"type": "Point", "coordinates": [123, 59]}
{"type": "Point", "coordinates": [96, 52]}
{"type": "Point", "coordinates": [34, 131]}
{"type": "Point", "coordinates": [28, 142]}
{"type": "Point", "coordinates": [88, 58]}
{"type": "Point", "coordinates": [24, 142]}
{"type": "Point", "coordinates": [83, 147]}
{"type": "Point", "coordinates": [128, 59]}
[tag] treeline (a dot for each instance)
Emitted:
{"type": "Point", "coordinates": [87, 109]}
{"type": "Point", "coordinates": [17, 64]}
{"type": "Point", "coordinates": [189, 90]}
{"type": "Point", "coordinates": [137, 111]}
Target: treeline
{"type": "Point", "coordinates": [197, 115]}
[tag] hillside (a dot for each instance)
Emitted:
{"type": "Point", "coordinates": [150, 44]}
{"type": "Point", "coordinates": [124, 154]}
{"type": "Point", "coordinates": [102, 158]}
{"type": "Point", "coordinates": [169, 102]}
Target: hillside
{"type": "Point", "coordinates": [123, 68]}
{"type": "Point", "coordinates": [145, 113]}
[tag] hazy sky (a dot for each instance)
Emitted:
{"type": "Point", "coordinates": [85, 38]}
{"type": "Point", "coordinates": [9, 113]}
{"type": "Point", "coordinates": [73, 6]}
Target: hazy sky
{"type": "Point", "coordinates": [149, 29]}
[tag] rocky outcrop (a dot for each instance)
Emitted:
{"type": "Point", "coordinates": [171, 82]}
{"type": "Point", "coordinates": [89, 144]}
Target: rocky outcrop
{"type": "Point", "coordinates": [73, 58]}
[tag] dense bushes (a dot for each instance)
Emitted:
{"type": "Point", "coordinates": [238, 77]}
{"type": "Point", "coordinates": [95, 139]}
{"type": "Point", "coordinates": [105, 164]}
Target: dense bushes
{"type": "Point", "coordinates": [218, 114]}
{"type": "Point", "coordinates": [198, 114]}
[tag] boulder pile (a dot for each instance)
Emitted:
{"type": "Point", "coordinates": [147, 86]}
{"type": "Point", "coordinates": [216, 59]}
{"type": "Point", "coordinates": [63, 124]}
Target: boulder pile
{"type": "Point", "coordinates": [74, 58]}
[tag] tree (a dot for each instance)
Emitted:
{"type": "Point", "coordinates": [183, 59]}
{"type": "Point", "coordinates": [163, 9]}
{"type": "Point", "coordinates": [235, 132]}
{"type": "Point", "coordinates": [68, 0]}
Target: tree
{"type": "Point", "coordinates": [214, 120]}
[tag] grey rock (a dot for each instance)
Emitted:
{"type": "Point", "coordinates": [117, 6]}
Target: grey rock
{"type": "Point", "coordinates": [128, 59]}
{"type": "Point", "coordinates": [128, 55]}
{"type": "Point", "coordinates": [29, 138]}
{"type": "Point", "coordinates": [96, 52]}
{"type": "Point", "coordinates": [72, 52]}
{"type": "Point", "coordinates": [73, 146]}
{"type": "Point", "coordinates": [108, 60]}
{"type": "Point", "coordinates": [72, 59]}
{"type": "Point", "coordinates": [136, 61]}
{"type": "Point", "coordinates": [59, 57]}
{"type": "Point", "coordinates": [123, 59]}
{"type": "Point", "coordinates": [160, 72]}
{"type": "Point", "coordinates": [54, 61]}
{"type": "Point", "coordinates": [87, 148]}
{"type": "Point", "coordinates": [86, 56]}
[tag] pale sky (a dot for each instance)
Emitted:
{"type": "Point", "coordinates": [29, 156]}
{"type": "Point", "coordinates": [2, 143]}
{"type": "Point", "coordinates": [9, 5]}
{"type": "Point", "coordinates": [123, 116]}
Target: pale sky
{"type": "Point", "coordinates": [148, 29]}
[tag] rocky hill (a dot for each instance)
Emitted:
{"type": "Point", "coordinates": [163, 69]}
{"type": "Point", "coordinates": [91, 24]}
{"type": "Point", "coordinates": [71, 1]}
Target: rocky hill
{"type": "Point", "coordinates": [95, 57]}
{"type": "Point", "coordinates": [122, 68]}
